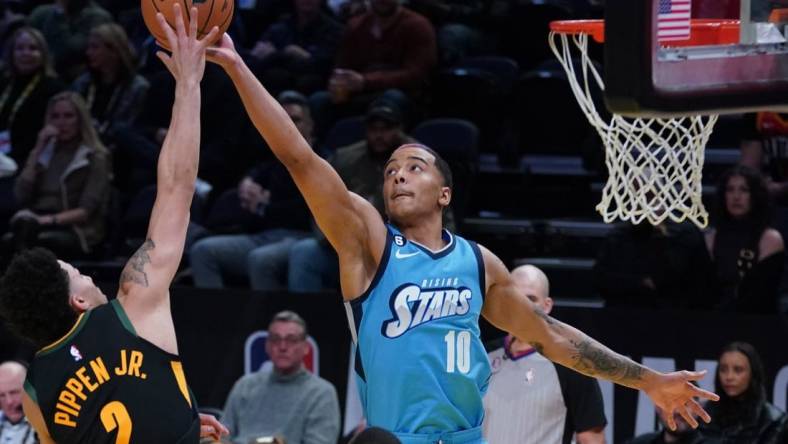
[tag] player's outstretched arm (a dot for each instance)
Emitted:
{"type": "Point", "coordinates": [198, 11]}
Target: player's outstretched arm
{"type": "Point", "coordinates": [508, 309]}
{"type": "Point", "coordinates": [350, 223]}
{"type": "Point", "coordinates": [145, 281]}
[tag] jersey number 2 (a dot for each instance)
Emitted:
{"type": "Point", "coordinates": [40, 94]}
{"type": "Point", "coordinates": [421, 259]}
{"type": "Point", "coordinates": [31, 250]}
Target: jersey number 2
{"type": "Point", "coordinates": [458, 352]}
{"type": "Point", "coordinates": [114, 415]}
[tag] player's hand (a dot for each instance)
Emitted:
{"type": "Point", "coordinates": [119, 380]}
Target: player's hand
{"type": "Point", "coordinates": [673, 392]}
{"type": "Point", "coordinates": [211, 427]}
{"type": "Point", "coordinates": [224, 53]}
{"type": "Point", "coordinates": [187, 61]}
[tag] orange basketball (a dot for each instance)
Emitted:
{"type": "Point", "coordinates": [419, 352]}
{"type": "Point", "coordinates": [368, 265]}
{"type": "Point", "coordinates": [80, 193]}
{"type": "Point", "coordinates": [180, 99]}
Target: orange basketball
{"type": "Point", "coordinates": [210, 13]}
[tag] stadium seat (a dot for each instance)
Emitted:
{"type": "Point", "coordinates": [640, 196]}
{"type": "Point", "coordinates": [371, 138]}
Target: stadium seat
{"type": "Point", "coordinates": [344, 132]}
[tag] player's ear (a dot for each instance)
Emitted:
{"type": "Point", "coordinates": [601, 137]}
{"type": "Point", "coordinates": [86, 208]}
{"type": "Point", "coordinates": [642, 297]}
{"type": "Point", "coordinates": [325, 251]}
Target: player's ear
{"type": "Point", "coordinates": [79, 303]}
{"type": "Point", "coordinates": [445, 197]}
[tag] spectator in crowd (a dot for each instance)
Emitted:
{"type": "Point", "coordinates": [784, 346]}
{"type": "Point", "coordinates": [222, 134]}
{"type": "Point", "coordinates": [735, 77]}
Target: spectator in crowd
{"type": "Point", "coordinates": [748, 254]}
{"type": "Point", "coordinates": [458, 23]}
{"type": "Point", "coordinates": [297, 51]}
{"type": "Point", "coordinates": [313, 264]}
{"type": "Point", "coordinates": [286, 400]}
{"type": "Point", "coordinates": [64, 185]}
{"type": "Point", "coordinates": [564, 406]}
{"type": "Point", "coordinates": [742, 415]}
{"type": "Point", "coordinates": [344, 10]}
{"type": "Point", "coordinates": [14, 428]}
{"type": "Point", "coordinates": [274, 211]}
{"type": "Point", "coordinates": [386, 48]}
{"type": "Point", "coordinates": [684, 433]}
{"type": "Point", "coordinates": [643, 265]}
{"type": "Point", "coordinates": [66, 25]}
{"type": "Point", "coordinates": [114, 92]}
{"type": "Point", "coordinates": [27, 84]}
{"type": "Point", "coordinates": [12, 17]}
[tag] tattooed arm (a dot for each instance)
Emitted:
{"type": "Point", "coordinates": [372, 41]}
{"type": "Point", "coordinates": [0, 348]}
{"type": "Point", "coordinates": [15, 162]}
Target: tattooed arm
{"type": "Point", "coordinates": [511, 311]}
{"type": "Point", "coordinates": [145, 281]}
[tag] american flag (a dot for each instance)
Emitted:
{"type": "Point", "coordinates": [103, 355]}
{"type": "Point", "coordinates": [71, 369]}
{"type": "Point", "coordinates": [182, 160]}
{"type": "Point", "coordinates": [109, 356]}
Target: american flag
{"type": "Point", "coordinates": [673, 21]}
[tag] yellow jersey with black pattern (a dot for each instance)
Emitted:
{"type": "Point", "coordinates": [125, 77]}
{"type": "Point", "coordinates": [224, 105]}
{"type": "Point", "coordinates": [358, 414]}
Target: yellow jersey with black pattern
{"type": "Point", "coordinates": [101, 383]}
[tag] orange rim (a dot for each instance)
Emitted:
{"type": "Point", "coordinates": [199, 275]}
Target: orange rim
{"type": "Point", "coordinates": [703, 32]}
{"type": "Point", "coordinates": [594, 28]}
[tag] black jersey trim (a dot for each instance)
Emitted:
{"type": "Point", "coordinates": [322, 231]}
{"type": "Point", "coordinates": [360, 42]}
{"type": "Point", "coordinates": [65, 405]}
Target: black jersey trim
{"type": "Point", "coordinates": [123, 317]}
{"type": "Point", "coordinates": [55, 346]}
{"type": "Point", "coordinates": [31, 391]}
{"type": "Point", "coordinates": [480, 264]}
{"type": "Point", "coordinates": [384, 260]}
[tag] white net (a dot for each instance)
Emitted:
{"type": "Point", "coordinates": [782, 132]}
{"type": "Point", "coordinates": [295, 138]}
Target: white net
{"type": "Point", "coordinates": [654, 164]}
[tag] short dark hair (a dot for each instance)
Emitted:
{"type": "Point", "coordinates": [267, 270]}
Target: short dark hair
{"type": "Point", "coordinates": [375, 435]}
{"type": "Point", "coordinates": [34, 296]}
{"type": "Point", "coordinates": [441, 164]}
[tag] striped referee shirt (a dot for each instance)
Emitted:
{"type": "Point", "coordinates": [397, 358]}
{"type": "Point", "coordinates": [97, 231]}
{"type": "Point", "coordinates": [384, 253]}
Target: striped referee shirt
{"type": "Point", "coordinates": [530, 400]}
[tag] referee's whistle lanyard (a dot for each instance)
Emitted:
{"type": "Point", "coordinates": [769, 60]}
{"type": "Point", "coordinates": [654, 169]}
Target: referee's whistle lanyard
{"type": "Point", "coordinates": [101, 126]}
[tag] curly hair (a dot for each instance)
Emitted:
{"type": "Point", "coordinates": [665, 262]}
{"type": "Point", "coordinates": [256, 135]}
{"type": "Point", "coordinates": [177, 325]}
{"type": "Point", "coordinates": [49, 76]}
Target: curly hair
{"type": "Point", "coordinates": [34, 297]}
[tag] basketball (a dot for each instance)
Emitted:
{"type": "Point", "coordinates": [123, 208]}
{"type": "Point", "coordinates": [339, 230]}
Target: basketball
{"type": "Point", "coordinates": [210, 13]}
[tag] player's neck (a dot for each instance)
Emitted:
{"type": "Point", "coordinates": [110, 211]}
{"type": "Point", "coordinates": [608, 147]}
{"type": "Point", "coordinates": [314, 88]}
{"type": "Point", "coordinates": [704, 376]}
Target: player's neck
{"type": "Point", "coordinates": [428, 234]}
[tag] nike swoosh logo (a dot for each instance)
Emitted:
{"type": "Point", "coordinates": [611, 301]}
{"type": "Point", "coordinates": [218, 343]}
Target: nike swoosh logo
{"type": "Point", "coordinates": [403, 256]}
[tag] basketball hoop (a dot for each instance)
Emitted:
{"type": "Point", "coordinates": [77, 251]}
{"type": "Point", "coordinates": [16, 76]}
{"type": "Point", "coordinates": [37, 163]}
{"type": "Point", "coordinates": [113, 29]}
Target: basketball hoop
{"type": "Point", "coordinates": [655, 164]}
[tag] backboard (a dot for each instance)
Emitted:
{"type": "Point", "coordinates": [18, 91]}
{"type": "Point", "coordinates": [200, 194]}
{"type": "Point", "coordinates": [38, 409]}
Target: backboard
{"type": "Point", "coordinates": [656, 64]}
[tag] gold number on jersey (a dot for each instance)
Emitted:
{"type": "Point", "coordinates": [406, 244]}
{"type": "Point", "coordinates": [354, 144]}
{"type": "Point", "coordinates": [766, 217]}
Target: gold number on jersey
{"type": "Point", "coordinates": [114, 415]}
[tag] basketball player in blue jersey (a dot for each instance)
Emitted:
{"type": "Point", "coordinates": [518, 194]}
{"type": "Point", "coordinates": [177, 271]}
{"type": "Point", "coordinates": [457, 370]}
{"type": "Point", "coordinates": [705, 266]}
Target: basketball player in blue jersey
{"type": "Point", "coordinates": [414, 292]}
{"type": "Point", "coordinates": [108, 371]}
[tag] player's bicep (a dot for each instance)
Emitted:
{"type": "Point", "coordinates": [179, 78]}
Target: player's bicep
{"type": "Point", "coordinates": [36, 419]}
{"type": "Point", "coordinates": [506, 308]}
{"type": "Point", "coordinates": [343, 217]}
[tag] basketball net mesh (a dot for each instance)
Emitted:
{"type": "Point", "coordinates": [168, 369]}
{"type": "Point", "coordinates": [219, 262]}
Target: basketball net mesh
{"type": "Point", "coordinates": [654, 164]}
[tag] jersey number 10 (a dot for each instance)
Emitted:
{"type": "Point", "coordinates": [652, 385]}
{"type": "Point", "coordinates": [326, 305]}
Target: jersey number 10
{"type": "Point", "coordinates": [458, 352]}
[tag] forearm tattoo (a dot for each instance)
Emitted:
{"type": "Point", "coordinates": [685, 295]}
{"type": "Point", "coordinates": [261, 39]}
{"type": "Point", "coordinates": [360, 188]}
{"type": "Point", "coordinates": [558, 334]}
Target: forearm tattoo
{"type": "Point", "coordinates": [590, 358]}
{"type": "Point", "coordinates": [134, 271]}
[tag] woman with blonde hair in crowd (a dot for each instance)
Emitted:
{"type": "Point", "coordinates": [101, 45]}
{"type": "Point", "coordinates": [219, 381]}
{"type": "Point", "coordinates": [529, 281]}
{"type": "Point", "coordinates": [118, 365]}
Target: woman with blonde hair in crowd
{"type": "Point", "coordinates": [114, 92]}
{"type": "Point", "coordinates": [26, 85]}
{"type": "Point", "coordinates": [64, 185]}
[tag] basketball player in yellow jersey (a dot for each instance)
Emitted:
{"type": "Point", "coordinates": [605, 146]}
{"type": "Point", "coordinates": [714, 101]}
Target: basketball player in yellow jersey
{"type": "Point", "coordinates": [109, 372]}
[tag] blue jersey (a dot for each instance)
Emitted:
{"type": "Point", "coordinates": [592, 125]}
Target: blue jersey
{"type": "Point", "coordinates": [421, 366]}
